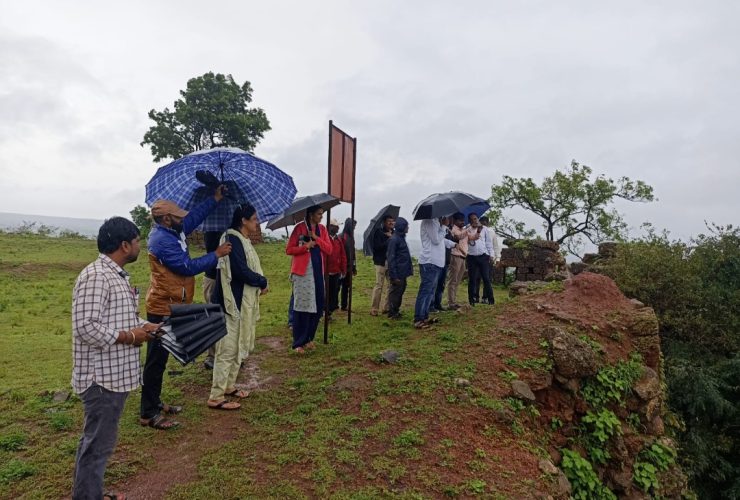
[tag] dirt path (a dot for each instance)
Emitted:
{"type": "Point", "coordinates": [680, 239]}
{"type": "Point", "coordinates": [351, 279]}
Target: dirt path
{"type": "Point", "coordinates": [178, 463]}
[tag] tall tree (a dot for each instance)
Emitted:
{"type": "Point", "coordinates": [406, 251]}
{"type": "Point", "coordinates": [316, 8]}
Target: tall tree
{"type": "Point", "coordinates": [213, 111]}
{"type": "Point", "coordinates": [142, 219]}
{"type": "Point", "coordinates": [571, 205]}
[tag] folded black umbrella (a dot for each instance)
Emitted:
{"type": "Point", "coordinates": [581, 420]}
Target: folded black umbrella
{"type": "Point", "coordinates": [192, 329]}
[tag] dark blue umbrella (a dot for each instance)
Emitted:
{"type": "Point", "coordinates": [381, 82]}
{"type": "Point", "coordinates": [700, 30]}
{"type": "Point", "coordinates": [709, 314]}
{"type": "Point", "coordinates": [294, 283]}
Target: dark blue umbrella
{"type": "Point", "coordinates": [376, 222]}
{"type": "Point", "coordinates": [296, 212]}
{"type": "Point", "coordinates": [477, 209]}
{"type": "Point", "coordinates": [444, 204]}
{"type": "Point", "coordinates": [248, 179]}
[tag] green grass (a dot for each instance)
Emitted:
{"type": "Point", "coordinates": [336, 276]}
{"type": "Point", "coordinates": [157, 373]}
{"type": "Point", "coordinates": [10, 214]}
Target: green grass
{"type": "Point", "coordinates": [305, 437]}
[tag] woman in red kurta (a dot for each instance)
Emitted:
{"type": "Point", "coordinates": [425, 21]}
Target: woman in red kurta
{"type": "Point", "coordinates": [309, 245]}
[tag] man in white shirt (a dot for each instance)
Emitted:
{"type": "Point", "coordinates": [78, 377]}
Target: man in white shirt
{"type": "Point", "coordinates": [431, 264]}
{"type": "Point", "coordinates": [496, 256]}
{"type": "Point", "coordinates": [480, 250]}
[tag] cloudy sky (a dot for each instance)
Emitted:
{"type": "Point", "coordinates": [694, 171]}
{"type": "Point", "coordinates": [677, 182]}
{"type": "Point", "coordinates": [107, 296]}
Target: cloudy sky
{"type": "Point", "coordinates": [441, 96]}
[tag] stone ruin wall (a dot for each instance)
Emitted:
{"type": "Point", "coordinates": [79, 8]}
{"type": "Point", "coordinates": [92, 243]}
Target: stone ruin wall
{"type": "Point", "coordinates": [534, 260]}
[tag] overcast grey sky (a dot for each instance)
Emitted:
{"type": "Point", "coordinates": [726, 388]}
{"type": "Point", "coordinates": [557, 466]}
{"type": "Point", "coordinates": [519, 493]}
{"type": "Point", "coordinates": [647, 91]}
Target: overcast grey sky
{"type": "Point", "coordinates": [440, 95]}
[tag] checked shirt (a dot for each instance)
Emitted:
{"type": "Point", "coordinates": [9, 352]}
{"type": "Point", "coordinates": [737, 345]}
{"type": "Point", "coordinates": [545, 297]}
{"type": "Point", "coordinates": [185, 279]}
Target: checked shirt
{"type": "Point", "coordinates": [103, 304]}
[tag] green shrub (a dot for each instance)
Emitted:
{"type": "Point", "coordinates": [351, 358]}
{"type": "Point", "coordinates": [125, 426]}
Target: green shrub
{"type": "Point", "coordinates": [612, 383]}
{"type": "Point", "coordinates": [583, 479]}
{"type": "Point", "coordinates": [599, 428]}
{"type": "Point", "coordinates": [13, 441]}
{"type": "Point", "coordinates": [694, 288]}
{"type": "Point", "coordinates": [15, 470]}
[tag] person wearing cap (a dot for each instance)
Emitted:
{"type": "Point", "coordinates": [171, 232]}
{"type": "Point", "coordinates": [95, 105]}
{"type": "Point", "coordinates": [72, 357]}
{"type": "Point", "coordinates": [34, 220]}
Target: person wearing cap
{"type": "Point", "coordinates": [336, 266]}
{"type": "Point", "coordinates": [172, 282]}
{"type": "Point", "coordinates": [381, 237]}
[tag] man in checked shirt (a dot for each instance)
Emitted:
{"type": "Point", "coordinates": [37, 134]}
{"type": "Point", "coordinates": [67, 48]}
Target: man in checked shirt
{"type": "Point", "coordinates": [106, 335]}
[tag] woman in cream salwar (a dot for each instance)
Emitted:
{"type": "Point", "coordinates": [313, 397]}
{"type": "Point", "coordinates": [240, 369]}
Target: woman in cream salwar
{"type": "Point", "coordinates": [240, 282]}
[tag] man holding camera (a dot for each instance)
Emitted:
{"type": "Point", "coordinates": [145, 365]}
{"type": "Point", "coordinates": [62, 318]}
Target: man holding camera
{"type": "Point", "coordinates": [172, 282]}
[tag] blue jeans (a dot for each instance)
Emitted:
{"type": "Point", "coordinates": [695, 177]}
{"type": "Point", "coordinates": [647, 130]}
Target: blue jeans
{"type": "Point", "coordinates": [439, 291]}
{"type": "Point", "coordinates": [429, 274]}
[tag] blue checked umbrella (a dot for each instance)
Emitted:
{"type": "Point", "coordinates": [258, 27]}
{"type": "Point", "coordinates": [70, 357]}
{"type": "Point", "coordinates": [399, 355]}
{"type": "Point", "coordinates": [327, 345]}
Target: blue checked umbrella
{"type": "Point", "coordinates": [248, 179]}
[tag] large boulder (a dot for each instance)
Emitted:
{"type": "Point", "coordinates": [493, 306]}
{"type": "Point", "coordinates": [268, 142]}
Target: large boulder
{"type": "Point", "coordinates": [521, 390]}
{"type": "Point", "coordinates": [648, 386]}
{"type": "Point", "coordinates": [572, 357]}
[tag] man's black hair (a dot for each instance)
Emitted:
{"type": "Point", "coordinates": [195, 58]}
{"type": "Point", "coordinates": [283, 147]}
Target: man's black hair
{"type": "Point", "coordinates": [388, 216]}
{"type": "Point", "coordinates": [458, 216]}
{"type": "Point", "coordinates": [245, 210]}
{"type": "Point", "coordinates": [483, 220]}
{"type": "Point", "coordinates": [115, 231]}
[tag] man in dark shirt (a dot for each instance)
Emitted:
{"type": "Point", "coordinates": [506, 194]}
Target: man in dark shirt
{"type": "Point", "coordinates": [381, 236]}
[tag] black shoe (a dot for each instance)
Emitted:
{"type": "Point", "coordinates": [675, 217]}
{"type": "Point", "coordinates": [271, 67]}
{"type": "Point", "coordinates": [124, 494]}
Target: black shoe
{"type": "Point", "coordinates": [208, 363]}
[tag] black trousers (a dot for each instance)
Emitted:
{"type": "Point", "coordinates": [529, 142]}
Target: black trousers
{"type": "Point", "coordinates": [395, 296]}
{"type": "Point", "coordinates": [154, 367]}
{"type": "Point", "coordinates": [344, 284]}
{"type": "Point", "coordinates": [332, 286]}
{"type": "Point", "coordinates": [479, 268]}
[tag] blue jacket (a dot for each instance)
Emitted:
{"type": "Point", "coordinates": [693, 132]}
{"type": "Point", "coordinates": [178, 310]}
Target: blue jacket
{"type": "Point", "coordinates": [399, 257]}
{"type": "Point", "coordinates": [172, 269]}
{"type": "Point", "coordinates": [169, 247]}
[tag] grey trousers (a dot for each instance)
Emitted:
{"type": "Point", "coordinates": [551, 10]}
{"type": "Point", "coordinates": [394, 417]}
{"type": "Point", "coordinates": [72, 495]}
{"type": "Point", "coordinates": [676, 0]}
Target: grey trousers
{"type": "Point", "coordinates": [103, 410]}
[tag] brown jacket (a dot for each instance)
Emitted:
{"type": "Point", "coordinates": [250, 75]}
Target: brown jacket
{"type": "Point", "coordinates": [167, 288]}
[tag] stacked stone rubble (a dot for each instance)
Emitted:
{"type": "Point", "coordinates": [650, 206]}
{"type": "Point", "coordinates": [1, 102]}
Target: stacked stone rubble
{"type": "Point", "coordinates": [534, 260]}
{"type": "Point", "coordinates": [607, 250]}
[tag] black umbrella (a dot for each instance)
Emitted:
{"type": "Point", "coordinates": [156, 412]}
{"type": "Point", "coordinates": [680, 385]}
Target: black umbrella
{"type": "Point", "coordinates": [192, 329]}
{"type": "Point", "coordinates": [376, 222]}
{"type": "Point", "coordinates": [296, 212]}
{"type": "Point", "coordinates": [444, 204]}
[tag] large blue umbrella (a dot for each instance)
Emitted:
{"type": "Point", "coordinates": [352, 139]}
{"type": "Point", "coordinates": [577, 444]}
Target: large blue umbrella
{"type": "Point", "coordinates": [248, 180]}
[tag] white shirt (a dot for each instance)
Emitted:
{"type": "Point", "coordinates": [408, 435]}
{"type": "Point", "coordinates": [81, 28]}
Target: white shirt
{"type": "Point", "coordinates": [433, 243]}
{"type": "Point", "coordinates": [494, 240]}
{"type": "Point", "coordinates": [482, 246]}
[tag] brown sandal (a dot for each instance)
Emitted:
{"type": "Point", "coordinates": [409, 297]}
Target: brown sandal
{"type": "Point", "coordinates": [223, 405]}
{"type": "Point", "coordinates": [159, 422]}
{"type": "Point", "coordinates": [237, 393]}
{"type": "Point", "coordinates": [170, 409]}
